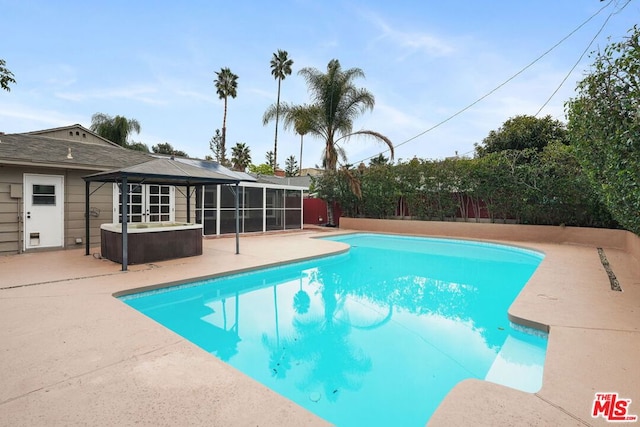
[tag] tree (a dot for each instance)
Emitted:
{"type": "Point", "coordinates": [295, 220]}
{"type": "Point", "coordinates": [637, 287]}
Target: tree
{"type": "Point", "coordinates": [166, 148]}
{"type": "Point", "coordinates": [604, 126]}
{"type": "Point", "coordinates": [240, 156]}
{"type": "Point", "coordinates": [270, 159]}
{"type": "Point", "coordinates": [280, 69]}
{"type": "Point", "coordinates": [336, 103]}
{"type": "Point", "coordinates": [296, 116]}
{"type": "Point", "coordinates": [263, 169]}
{"type": "Point", "coordinates": [522, 132]}
{"type": "Point", "coordinates": [291, 166]}
{"type": "Point", "coordinates": [138, 146]}
{"type": "Point", "coordinates": [219, 152]}
{"type": "Point", "coordinates": [116, 129]}
{"type": "Point", "coordinates": [226, 86]}
{"type": "Point", "coordinates": [6, 76]}
{"type": "Point", "coordinates": [379, 160]}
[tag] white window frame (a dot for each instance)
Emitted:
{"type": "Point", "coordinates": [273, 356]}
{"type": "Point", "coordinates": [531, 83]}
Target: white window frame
{"type": "Point", "coordinates": [146, 215]}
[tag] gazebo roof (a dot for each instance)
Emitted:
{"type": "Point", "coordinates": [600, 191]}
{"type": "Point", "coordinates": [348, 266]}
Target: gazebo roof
{"type": "Point", "coordinates": [164, 171]}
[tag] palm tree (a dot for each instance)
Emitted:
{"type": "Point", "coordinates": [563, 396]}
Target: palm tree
{"type": "Point", "coordinates": [226, 86]}
{"type": "Point", "coordinates": [336, 103]}
{"type": "Point", "coordinates": [116, 129]}
{"type": "Point", "coordinates": [297, 116]}
{"type": "Point", "coordinates": [280, 68]}
{"type": "Point", "coordinates": [240, 156]}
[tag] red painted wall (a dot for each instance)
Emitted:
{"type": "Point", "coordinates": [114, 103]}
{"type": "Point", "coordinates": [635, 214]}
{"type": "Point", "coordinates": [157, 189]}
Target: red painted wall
{"type": "Point", "coordinates": [315, 212]}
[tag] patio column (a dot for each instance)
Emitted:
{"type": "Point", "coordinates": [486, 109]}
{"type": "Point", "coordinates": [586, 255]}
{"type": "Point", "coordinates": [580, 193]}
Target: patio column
{"type": "Point", "coordinates": [237, 217]}
{"type": "Point", "coordinates": [86, 218]}
{"type": "Point", "coordinates": [125, 218]}
{"type": "Point", "coordinates": [188, 203]}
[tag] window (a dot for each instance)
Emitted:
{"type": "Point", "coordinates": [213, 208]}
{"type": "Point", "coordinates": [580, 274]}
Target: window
{"type": "Point", "coordinates": [147, 203]}
{"type": "Point", "coordinates": [44, 194]}
{"type": "Point", "coordinates": [260, 209]}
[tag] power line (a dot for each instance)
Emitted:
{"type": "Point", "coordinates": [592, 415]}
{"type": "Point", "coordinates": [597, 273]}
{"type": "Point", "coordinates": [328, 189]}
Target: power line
{"type": "Point", "coordinates": [491, 92]}
{"type": "Point", "coordinates": [584, 52]}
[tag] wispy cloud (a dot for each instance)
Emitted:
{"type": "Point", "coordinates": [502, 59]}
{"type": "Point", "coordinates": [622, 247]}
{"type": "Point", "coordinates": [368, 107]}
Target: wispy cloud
{"type": "Point", "coordinates": [410, 41]}
{"type": "Point", "coordinates": [140, 93]}
{"type": "Point", "coordinates": [19, 118]}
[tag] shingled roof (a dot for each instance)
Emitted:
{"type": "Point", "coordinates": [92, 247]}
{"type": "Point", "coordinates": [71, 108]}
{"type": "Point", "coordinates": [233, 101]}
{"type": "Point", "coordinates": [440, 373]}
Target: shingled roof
{"type": "Point", "coordinates": [30, 149]}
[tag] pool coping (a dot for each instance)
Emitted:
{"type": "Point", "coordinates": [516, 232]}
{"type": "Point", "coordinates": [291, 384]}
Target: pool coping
{"type": "Point", "coordinates": [72, 354]}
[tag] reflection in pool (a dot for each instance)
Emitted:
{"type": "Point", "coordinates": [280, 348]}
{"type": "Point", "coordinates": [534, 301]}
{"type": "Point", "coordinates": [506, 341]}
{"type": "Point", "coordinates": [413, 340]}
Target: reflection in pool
{"type": "Point", "coordinates": [376, 336]}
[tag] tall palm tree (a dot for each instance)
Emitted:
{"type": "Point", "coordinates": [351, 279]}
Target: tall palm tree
{"type": "Point", "coordinates": [301, 124]}
{"type": "Point", "coordinates": [336, 103]}
{"type": "Point", "coordinates": [240, 156]}
{"type": "Point", "coordinates": [280, 68]}
{"type": "Point", "coordinates": [116, 129]}
{"type": "Point", "coordinates": [297, 116]}
{"type": "Point", "coordinates": [226, 86]}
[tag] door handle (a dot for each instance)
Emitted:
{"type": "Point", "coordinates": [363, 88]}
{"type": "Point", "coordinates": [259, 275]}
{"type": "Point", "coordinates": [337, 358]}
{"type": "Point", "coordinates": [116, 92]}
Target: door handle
{"type": "Point", "coordinates": [28, 214]}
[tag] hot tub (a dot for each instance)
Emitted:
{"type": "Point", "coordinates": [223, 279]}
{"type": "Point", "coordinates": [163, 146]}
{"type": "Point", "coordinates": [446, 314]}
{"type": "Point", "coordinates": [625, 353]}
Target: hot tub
{"type": "Point", "coordinates": [149, 242]}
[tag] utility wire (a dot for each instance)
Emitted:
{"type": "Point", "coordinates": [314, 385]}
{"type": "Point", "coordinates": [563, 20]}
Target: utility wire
{"type": "Point", "coordinates": [491, 92]}
{"type": "Point", "coordinates": [584, 52]}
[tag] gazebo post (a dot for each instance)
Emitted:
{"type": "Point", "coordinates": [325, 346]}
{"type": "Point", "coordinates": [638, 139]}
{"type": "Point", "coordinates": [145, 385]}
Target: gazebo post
{"type": "Point", "coordinates": [188, 202]}
{"type": "Point", "coordinates": [237, 217]}
{"type": "Point", "coordinates": [125, 217]}
{"type": "Point", "coordinates": [86, 217]}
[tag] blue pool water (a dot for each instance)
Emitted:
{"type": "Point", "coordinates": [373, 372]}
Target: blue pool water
{"type": "Point", "coordinates": [375, 336]}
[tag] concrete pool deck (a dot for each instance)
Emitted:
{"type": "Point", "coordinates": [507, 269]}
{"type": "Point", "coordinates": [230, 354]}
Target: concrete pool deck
{"type": "Point", "coordinates": [72, 354]}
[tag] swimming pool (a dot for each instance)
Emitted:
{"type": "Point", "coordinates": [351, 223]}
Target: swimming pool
{"type": "Point", "coordinates": [375, 336]}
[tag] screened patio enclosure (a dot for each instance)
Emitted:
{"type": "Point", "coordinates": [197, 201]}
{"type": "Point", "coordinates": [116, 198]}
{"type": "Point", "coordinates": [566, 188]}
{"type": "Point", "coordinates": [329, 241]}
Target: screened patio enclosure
{"type": "Point", "coordinates": [262, 207]}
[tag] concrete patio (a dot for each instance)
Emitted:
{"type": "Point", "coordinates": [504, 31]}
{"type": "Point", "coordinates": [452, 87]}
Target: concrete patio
{"type": "Point", "coordinates": [72, 354]}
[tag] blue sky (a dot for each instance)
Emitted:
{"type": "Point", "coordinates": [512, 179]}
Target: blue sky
{"type": "Point", "coordinates": [155, 61]}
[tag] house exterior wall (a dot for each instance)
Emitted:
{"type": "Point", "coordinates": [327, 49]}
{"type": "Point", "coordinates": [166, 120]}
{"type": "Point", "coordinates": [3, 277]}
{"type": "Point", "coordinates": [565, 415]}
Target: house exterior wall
{"type": "Point", "coordinates": [100, 208]}
{"type": "Point", "coordinates": [11, 209]}
{"type": "Point", "coordinates": [181, 204]}
{"type": "Point", "coordinates": [73, 134]}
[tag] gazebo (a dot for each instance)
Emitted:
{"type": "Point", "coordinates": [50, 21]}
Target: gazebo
{"type": "Point", "coordinates": [162, 171]}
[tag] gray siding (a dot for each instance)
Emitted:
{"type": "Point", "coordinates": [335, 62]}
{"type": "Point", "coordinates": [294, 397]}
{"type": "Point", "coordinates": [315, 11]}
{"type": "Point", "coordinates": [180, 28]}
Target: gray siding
{"type": "Point", "coordinates": [73, 133]}
{"type": "Point", "coordinates": [100, 203]}
{"type": "Point", "coordinates": [74, 188]}
{"type": "Point", "coordinates": [9, 210]}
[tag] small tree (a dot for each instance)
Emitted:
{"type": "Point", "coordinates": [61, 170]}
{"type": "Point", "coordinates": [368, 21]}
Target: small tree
{"type": "Point", "coordinates": [380, 159]}
{"type": "Point", "coordinates": [291, 166]}
{"type": "Point", "coordinates": [219, 151]}
{"type": "Point", "coordinates": [6, 76]}
{"type": "Point", "coordinates": [262, 169]}
{"type": "Point", "coordinates": [166, 148]}
{"type": "Point", "coordinates": [240, 156]}
{"type": "Point", "coordinates": [139, 146]}
{"type": "Point", "coordinates": [271, 160]}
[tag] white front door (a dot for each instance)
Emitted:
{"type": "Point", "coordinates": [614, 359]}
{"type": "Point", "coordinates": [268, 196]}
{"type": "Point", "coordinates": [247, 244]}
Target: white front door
{"type": "Point", "coordinates": [43, 211]}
